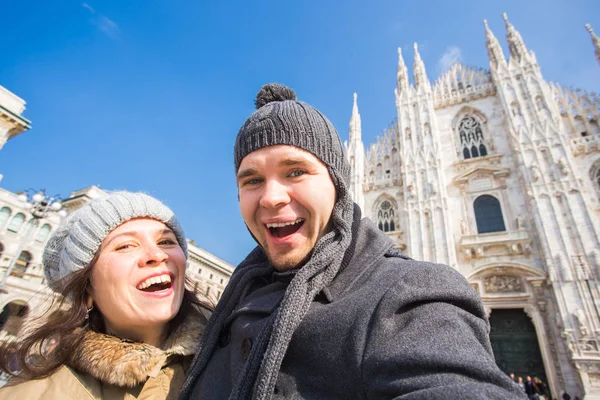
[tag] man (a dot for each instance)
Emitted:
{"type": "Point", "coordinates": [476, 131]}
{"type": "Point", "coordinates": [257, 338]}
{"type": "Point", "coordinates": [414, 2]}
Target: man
{"type": "Point", "coordinates": [325, 307]}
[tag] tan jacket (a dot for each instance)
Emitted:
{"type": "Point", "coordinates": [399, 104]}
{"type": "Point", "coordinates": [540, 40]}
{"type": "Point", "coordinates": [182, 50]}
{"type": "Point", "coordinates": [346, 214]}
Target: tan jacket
{"type": "Point", "coordinates": [107, 367]}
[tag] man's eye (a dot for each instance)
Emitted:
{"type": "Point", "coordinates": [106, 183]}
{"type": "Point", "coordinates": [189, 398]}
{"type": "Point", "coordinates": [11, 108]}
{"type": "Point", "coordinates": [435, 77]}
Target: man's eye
{"type": "Point", "coordinates": [253, 181]}
{"type": "Point", "coordinates": [297, 173]}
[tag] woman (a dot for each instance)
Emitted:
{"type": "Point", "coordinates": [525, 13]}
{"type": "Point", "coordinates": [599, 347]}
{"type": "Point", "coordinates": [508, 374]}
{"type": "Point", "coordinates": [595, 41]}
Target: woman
{"type": "Point", "coordinates": [125, 326]}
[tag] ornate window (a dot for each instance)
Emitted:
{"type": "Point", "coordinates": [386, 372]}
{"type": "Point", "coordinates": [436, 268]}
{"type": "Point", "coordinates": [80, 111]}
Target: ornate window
{"type": "Point", "coordinates": [43, 233]}
{"type": "Point", "coordinates": [488, 214]}
{"type": "Point", "coordinates": [386, 217]}
{"type": "Point", "coordinates": [4, 214]}
{"type": "Point", "coordinates": [16, 223]}
{"type": "Point", "coordinates": [471, 138]}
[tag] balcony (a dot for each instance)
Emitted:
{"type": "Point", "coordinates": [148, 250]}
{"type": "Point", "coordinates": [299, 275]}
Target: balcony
{"type": "Point", "coordinates": [516, 242]}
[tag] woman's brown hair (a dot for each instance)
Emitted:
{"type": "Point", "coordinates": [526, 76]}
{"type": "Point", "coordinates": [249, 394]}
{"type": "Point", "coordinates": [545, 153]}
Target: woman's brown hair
{"type": "Point", "coordinates": [67, 321]}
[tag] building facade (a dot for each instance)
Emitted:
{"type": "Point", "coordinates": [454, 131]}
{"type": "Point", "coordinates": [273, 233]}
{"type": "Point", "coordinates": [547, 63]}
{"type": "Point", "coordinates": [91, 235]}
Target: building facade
{"type": "Point", "coordinates": [496, 172]}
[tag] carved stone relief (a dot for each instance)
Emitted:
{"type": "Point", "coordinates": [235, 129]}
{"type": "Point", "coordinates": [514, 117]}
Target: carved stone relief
{"type": "Point", "coordinates": [503, 284]}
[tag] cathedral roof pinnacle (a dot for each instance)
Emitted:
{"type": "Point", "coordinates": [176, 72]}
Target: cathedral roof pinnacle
{"type": "Point", "coordinates": [402, 73]}
{"type": "Point", "coordinates": [355, 124]}
{"type": "Point", "coordinates": [419, 69]}
{"type": "Point", "coordinates": [355, 106]}
{"type": "Point", "coordinates": [516, 45]}
{"type": "Point", "coordinates": [495, 52]}
{"type": "Point", "coordinates": [595, 41]}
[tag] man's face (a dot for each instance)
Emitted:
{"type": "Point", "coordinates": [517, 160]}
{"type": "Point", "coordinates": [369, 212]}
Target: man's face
{"type": "Point", "coordinates": [286, 199]}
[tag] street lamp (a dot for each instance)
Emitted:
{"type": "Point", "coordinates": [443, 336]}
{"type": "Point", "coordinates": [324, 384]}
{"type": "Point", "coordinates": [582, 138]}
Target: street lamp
{"type": "Point", "coordinates": [39, 205]}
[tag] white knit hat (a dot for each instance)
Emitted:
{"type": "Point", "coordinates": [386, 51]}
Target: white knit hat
{"type": "Point", "coordinates": [73, 245]}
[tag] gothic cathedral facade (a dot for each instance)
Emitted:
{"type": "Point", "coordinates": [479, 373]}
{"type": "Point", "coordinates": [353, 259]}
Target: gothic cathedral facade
{"type": "Point", "coordinates": [497, 174]}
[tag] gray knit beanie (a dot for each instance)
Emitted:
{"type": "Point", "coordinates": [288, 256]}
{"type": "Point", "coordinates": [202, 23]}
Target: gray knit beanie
{"type": "Point", "coordinates": [281, 119]}
{"type": "Point", "coordinates": [74, 244]}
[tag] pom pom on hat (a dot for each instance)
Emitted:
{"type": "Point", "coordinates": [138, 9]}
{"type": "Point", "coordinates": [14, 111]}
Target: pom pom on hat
{"type": "Point", "coordinates": [273, 92]}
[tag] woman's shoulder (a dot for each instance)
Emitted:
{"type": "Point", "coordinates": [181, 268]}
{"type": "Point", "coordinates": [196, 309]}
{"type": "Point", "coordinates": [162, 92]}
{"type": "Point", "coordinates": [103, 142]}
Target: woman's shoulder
{"type": "Point", "coordinates": [65, 383]}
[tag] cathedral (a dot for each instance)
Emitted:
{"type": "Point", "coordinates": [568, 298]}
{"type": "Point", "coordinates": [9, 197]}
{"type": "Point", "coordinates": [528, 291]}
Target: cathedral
{"type": "Point", "coordinates": [496, 172]}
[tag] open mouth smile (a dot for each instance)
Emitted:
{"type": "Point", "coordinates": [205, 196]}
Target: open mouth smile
{"type": "Point", "coordinates": [284, 229]}
{"type": "Point", "coordinates": [156, 283]}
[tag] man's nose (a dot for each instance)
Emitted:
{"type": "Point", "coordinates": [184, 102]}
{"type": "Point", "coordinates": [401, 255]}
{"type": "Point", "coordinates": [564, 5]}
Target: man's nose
{"type": "Point", "coordinates": [275, 195]}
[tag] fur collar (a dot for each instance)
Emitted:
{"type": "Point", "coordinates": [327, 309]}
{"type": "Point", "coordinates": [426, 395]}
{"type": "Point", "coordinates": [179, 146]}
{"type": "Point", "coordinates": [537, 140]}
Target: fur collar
{"type": "Point", "coordinates": [126, 363]}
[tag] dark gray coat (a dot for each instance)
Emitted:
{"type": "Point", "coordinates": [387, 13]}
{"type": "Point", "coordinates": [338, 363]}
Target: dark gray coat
{"type": "Point", "coordinates": [387, 327]}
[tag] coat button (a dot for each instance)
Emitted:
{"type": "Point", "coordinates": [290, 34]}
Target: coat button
{"type": "Point", "coordinates": [224, 338]}
{"type": "Point", "coordinates": [246, 347]}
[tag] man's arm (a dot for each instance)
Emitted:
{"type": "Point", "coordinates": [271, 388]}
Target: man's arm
{"type": "Point", "coordinates": [429, 339]}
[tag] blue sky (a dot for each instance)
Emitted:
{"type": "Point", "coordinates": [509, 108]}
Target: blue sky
{"type": "Point", "coordinates": [149, 94]}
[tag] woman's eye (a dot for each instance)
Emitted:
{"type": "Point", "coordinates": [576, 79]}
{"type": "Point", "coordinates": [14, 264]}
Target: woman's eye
{"type": "Point", "coordinates": [167, 242]}
{"type": "Point", "coordinates": [297, 173]}
{"type": "Point", "coordinates": [124, 246]}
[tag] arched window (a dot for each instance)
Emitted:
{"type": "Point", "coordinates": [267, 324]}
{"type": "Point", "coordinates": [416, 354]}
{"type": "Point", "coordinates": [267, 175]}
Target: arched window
{"type": "Point", "coordinates": [488, 214]}
{"type": "Point", "coordinates": [43, 233]}
{"type": "Point", "coordinates": [471, 138]}
{"type": "Point", "coordinates": [385, 217]}
{"type": "Point", "coordinates": [29, 227]}
{"type": "Point", "coordinates": [16, 223]}
{"type": "Point", "coordinates": [4, 214]}
{"type": "Point", "coordinates": [22, 263]}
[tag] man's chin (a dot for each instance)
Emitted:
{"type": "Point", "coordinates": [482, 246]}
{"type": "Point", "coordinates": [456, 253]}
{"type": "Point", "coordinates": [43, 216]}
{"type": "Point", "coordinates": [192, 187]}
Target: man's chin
{"type": "Point", "coordinates": [289, 262]}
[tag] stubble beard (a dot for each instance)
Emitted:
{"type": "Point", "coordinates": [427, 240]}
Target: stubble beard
{"type": "Point", "coordinates": [288, 262]}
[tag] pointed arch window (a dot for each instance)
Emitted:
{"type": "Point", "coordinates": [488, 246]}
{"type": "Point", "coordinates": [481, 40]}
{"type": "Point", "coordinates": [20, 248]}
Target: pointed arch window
{"type": "Point", "coordinates": [471, 138]}
{"type": "Point", "coordinates": [4, 214]}
{"type": "Point", "coordinates": [16, 223]}
{"type": "Point", "coordinates": [386, 217]}
{"type": "Point", "coordinates": [488, 214]}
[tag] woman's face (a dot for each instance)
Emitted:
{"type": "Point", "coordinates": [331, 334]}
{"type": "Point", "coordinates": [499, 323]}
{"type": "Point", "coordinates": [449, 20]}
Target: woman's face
{"type": "Point", "coordinates": [137, 282]}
